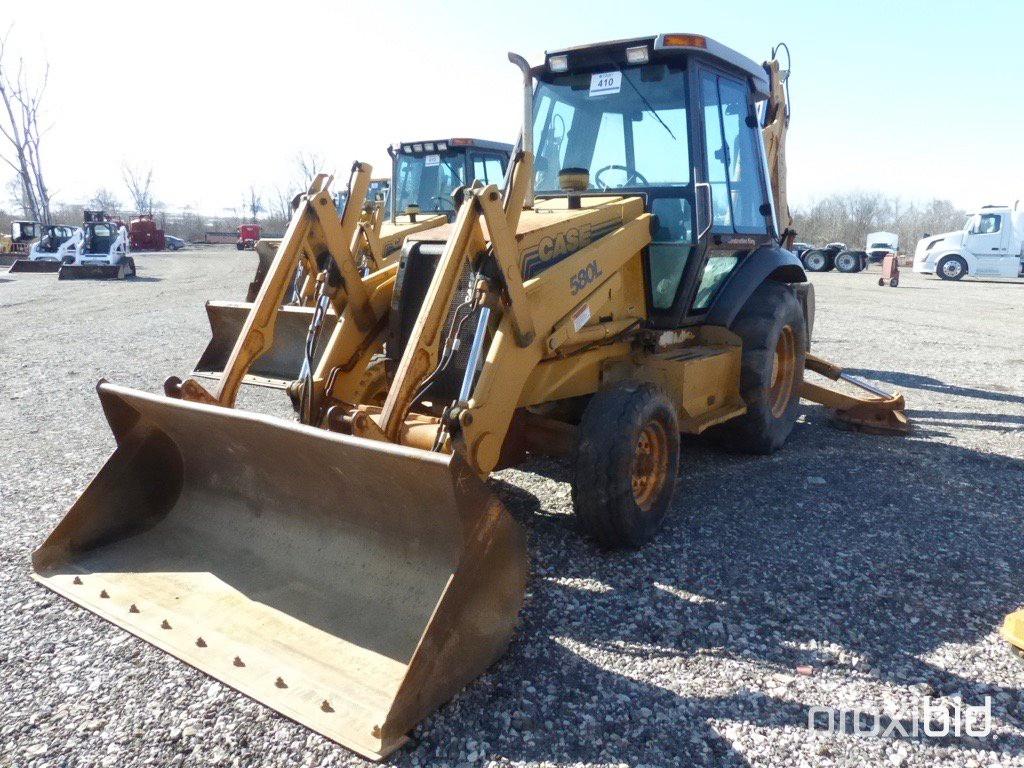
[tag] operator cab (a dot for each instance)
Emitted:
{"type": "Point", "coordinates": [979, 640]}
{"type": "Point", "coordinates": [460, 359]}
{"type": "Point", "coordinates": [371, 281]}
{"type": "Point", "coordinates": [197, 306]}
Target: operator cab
{"type": "Point", "coordinates": [427, 173]}
{"type": "Point", "coordinates": [673, 119]}
{"type": "Point", "coordinates": [54, 237]}
{"type": "Point", "coordinates": [99, 237]}
{"type": "Point", "coordinates": [24, 231]}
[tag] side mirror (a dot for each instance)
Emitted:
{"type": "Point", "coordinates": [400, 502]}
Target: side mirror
{"type": "Point", "coordinates": [705, 215]}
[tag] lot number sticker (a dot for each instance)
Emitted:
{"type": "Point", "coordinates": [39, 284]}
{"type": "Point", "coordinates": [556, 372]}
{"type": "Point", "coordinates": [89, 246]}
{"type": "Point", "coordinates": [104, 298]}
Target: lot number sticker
{"type": "Point", "coordinates": [432, 160]}
{"type": "Point", "coordinates": [605, 83]}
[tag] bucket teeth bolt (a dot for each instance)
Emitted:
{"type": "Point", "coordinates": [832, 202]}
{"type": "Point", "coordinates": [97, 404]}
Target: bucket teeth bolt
{"type": "Point", "coordinates": [77, 580]}
{"type": "Point", "coordinates": [238, 662]}
{"type": "Point", "coordinates": [134, 608]}
{"type": "Point", "coordinates": [280, 683]}
{"type": "Point", "coordinates": [103, 594]}
{"type": "Point", "coordinates": [326, 706]}
{"type": "Point", "coordinates": [165, 624]}
{"type": "Point", "coordinates": [200, 642]}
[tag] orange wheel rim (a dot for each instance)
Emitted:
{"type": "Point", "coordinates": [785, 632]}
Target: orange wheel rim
{"type": "Point", "coordinates": [783, 372]}
{"type": "Point", "coordinates": [650, 464]}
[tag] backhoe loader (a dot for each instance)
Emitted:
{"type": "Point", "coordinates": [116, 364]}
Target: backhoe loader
{"type": "Point", "coordinates": [352, 569]}
{"type": "Point", "coordinates": [424, 175]}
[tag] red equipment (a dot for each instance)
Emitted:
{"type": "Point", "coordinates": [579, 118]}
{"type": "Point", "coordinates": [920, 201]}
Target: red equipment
{"type": "Point", "coordinates": [248, 234]}
{"type": "Point", "coordinates": [143, 234]}
{"type": "Point", "coordinates": [890, 271]}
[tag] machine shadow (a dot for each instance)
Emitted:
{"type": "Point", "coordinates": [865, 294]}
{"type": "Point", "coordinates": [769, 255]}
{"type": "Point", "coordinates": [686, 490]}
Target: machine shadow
{"type": "Point", "coordinates": [852, 554]}
{"type": "Point", "coordinates": [930, 384]}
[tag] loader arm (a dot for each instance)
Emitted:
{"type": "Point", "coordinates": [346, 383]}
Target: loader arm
{"type": "Point", "coordinates": [530, 320]}
{"type": "Point", "coordinates": [314, 228]}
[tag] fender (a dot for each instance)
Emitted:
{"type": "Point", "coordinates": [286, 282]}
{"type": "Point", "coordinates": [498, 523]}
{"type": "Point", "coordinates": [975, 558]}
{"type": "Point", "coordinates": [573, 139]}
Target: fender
{"type": "Point", "coordinates": [769, 262]}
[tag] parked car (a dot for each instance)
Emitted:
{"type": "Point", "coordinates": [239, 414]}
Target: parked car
{"type": "Point", "coordinates": [173, 243]}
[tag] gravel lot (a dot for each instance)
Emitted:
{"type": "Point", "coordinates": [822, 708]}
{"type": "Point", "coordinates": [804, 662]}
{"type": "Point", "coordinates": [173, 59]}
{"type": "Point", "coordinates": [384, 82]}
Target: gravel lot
{"type": "Point", "coordinates": [846, 571]}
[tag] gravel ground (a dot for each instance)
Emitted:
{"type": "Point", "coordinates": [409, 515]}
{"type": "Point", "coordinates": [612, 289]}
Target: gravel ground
{"type": "Point", "coordinates": [847, 571]}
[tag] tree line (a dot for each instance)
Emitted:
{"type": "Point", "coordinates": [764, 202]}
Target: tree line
{"type": "Point", "coordinates": [849, 217]}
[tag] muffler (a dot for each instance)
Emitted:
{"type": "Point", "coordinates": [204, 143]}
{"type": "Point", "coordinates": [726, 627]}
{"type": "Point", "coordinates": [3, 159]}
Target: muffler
{"type": "Point", "coordinates": [351, 585]}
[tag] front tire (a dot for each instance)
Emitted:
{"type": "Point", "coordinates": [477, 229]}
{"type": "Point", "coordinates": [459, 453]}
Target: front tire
{"type": "Point", "coordinates": [774, 333]}
{"type": "Point", "coordinates": [625, 463]}
{"type": "Point", "coordinates": [815, 260]}
{"type": "Point", "coordinates": [951, 268]}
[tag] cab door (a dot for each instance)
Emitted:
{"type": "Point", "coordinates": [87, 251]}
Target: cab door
{"type": "Point", "coordinates": [987, 242]}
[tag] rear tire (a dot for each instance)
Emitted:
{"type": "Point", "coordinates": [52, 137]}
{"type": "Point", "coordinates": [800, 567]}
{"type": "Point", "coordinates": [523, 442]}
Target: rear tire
{"type": "Point", "coordinates": [625, 463]}
{"type": "Point", "coordinates": [848, 262]}
{"type": "Point", "coordinates": [951, 268]}
{"type": "Point", "coordinates": [774, 333]}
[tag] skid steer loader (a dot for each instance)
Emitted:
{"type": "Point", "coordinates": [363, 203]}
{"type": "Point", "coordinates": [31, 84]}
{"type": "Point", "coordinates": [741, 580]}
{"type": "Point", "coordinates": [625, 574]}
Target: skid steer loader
{"type": "Point", "coordinates": [103, 251]}
{"type": "Point", "coordinates": [424, 175]}
{"type": "Point", "coordinates": [57, 243]}
{"type": "Point", "coordinates": [352, 570]}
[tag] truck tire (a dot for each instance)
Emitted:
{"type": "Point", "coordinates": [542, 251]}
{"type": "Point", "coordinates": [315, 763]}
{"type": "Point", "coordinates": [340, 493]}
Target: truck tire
{"type": "Point", "coordinates": [816, 260]}
{"type": "Point", "coordinates": [624, 464]}
{"type": "Point", "coordinates": [849, 262]}
{"type": "Point", "coordinates": [951, 268]}
{"type": "Point", "coordinates": [772, 327]}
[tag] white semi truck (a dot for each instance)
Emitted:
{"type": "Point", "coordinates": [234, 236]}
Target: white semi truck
{"type": "Point", "coordinates": [991, 244]}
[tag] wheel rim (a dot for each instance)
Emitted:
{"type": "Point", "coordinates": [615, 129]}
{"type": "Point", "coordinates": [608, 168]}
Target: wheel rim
{"type": "Point", "coordinates": [783, 369]}
{"type": "Point", "coordinates": [815, 261]}
{"type": "Point", "coordinates": [951, 268]}
{"type": "Point", "coordinates": [844, 263]}
{"type": "Point", "coordinates": [650, 464]}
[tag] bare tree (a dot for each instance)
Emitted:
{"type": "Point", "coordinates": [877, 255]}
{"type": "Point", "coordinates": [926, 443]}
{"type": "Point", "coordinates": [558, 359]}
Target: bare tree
{"type": "Point", "coordinates": [139, 185]}
{"type": "Point", "coordinates": [308, 164]}
{"type": "Point", "coordinates": [254, 205]}
{"type": "Point", "coordinates": [104, 200]}
{"type": "Point", "coordinates": [20, 127]}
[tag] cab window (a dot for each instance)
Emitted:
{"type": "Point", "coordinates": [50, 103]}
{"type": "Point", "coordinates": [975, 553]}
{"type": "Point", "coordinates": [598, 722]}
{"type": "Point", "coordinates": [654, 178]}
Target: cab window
{"type": "Point", "coordinates": [985, 224]}
{"type": "Point", "coordinates": [489, 169]}
{"type": "Point", "coordinates": [734, 173]}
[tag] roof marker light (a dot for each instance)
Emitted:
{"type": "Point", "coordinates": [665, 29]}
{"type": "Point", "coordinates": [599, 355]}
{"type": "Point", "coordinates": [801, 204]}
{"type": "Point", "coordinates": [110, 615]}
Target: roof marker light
{"type": "Point", "coordinates": [429, 146]}
{"type": "Point", "coordinates": [685, 41]}
{"type": "Point", "coordinates": [558, 63]}
{"type": "Point", "coordinates": [417, 147]}
{"type": "Point", "coordinates": [637, 55]}
{"type": "Point", "coordinates": [441, 146]}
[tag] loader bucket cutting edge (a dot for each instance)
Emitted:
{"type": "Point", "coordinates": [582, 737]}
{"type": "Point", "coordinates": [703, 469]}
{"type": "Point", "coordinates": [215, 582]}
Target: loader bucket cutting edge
{"type": "Point", "coordinates": [351, 585]}
{"type": "Point", "coordinates": [28, 265]}
{"type": "Point", "coordinates": [92, 272]}
{"type": "Point", "coordinates": [278, 367]}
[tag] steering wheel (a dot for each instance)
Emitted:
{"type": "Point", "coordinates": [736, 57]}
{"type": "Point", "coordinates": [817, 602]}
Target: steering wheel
{"type": "Point", "coordinates": [629, 175]}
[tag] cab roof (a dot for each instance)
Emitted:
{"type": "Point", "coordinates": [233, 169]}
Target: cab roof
{"type": "Point", "coordinates": [661, 47]}
{"type": "Point", "coordinates": [445, 145]}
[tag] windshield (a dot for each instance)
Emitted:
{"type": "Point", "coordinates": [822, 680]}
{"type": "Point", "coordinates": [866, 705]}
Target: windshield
{"type": "Point", "coordinates": [428, 181]}
{"type": "Point", "coordinates": [626, 127]}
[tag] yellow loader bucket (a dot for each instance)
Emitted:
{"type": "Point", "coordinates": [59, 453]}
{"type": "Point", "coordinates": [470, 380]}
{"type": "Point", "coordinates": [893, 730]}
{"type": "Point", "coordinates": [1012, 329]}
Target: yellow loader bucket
{"type": "Point", "coordinates": [278, 367]}
{"type": "Point", "coordinates": [351, 585]}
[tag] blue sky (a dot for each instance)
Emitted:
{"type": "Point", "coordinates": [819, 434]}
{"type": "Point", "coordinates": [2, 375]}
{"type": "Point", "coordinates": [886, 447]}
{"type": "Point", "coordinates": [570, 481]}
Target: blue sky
{"type": "Point", "coordinates": [917, 99]}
